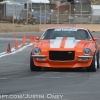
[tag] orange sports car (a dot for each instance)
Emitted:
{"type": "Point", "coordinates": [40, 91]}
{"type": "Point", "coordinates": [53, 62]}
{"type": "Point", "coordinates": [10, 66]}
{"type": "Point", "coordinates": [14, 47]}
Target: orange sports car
{"type": "Point", "coordinates": [65, 47]}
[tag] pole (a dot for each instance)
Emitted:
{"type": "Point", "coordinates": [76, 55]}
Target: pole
{"type": "Point", "coordinates": [13, 15]}
{"type": "Point", "coordinates": [27, 12]}
{"type": "Point", "coordinates": [58, 15]}
{"type": "Point", "coordinates": [91, 16]}
{"type": "Point", "coordinates": [13, 11]}
{"type": "Point", "coordinates": [69, 13]}
{"type": "Point", "coordinates": [40, 12]}
{"type": "Point", "coordinates": [45, 13]}
{"type": "Point", "coordinates": [81, 10]}
{"type": "Point", "coordinates": [4, 10]}
{"type": "Point", "coordinates": [31, 7]}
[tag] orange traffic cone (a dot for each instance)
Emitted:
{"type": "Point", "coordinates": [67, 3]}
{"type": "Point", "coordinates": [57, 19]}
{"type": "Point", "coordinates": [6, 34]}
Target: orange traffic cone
{"type": "Point", "coordinates": [37, 30]}
{"type": "Point", "coordinates": [24, 36]}
{"type": "Point", "coordinates": [6, 31]}
{"type": "Point", "coordinates": [8, 48]}
{"type": "Point", "coordinates": [14, 36]}
{"type": "Point", "coordinates": [31, 39]}
{"type": "Point", "coordinates": [16, 44]}
{"type": "Point", "coordinates": [24, 40]}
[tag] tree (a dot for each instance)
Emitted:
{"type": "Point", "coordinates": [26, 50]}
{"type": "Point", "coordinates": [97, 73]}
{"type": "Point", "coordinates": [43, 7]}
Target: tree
{"type": "Point", "coordinates": [95, 2]}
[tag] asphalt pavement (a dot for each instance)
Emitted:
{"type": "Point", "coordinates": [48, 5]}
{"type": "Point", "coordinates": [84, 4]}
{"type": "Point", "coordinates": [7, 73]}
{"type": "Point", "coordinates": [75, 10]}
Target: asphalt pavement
{"type": "Point", "coordinates": [17, 82]}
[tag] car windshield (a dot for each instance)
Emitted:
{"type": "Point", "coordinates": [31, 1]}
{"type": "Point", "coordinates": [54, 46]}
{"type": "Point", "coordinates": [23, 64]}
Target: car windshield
{"type": "Point", "coordinates": [78, 34]}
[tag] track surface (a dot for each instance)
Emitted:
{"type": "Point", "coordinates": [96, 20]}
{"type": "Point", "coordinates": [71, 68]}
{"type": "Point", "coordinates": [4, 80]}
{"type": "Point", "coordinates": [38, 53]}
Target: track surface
{"type": "Point", "coordinates": [17, 79]}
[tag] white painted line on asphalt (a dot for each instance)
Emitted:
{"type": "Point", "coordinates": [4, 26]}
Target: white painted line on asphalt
{"type": "Point", "coordinates": [3, 78]}
{"type": "Point", "coordinates": [54, 77]}
{"type": "Point", "coordinates": [15, 51]}
{"type": "Point", "coordinates": [48, 77]}
{"type": "Point", "coordinates": [66, 99]}
{"type": "Point", "coordinates": [2, 53]}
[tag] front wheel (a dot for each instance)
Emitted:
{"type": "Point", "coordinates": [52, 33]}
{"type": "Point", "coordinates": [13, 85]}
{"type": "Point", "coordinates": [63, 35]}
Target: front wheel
{"type": "Point", "coordinates": [32, 66]}
{"type": "Point", "coordinates": [93, 66]}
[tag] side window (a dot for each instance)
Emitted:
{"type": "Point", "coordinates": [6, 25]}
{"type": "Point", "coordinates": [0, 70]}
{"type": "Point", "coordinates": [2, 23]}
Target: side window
{"type": "Point", "coordinates": [90, 34]}
{"type": "Point", "coordinates": [47, 34]}
{"type": "Point", "coordinates": [83, 34]}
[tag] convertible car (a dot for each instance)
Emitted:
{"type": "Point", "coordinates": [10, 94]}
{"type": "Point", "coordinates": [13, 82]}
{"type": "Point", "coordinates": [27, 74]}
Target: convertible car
{"type": "Point", "coordinates": [65, 47]}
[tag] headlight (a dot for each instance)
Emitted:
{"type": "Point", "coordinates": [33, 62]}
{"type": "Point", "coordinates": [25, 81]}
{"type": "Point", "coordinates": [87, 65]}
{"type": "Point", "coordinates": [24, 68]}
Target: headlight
{"type": "Point", "coordinates": [87, 51]}
{"type": "Point", "coordinates": [37, 51]}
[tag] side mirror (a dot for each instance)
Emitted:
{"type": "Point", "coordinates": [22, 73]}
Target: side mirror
{"type": "Point", "coordinates": [37, 38]}
{"type": "Point", "coordinates": [95, 39]}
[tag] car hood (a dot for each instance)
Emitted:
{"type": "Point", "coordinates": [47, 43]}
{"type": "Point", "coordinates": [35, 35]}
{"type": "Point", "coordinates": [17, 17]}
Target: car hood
{"type": "Point", "coordinates": [63, 43]}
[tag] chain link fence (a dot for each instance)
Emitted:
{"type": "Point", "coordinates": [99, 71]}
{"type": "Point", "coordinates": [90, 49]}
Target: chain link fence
{"type": "Point", "coordinates": [75, 19]}
{"type": "Point", "coordinates": [46, 13]}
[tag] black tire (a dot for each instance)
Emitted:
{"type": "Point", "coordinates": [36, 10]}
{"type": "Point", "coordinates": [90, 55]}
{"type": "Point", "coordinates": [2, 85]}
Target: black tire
{"type": "Point", "coordinates": [93, 66]}
{"type": "Point", "coordinates": [98, 63]}
{"type": "Point", "coordinates": [32, 66]}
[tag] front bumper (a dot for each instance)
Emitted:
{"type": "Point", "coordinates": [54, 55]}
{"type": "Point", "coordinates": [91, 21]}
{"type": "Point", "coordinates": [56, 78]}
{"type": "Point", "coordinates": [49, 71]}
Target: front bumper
{"type": "Point", "coordinates": [79, 61]}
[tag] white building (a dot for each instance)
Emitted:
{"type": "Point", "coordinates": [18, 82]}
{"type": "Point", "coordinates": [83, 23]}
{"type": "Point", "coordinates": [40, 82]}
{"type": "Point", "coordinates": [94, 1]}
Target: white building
{"type": "Point", "coordinates": [95, 9]}
{"type": "Point", "coordinates": [95, 13]}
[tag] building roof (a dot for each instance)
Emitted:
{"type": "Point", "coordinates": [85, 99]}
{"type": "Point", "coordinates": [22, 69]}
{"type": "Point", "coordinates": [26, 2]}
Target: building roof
{"type": "Point", "coordinates": [41, 1]}
{"type": "Point", "coordinates": [95, 6]}
{"type": "Point", "coordinates": [31, 1]}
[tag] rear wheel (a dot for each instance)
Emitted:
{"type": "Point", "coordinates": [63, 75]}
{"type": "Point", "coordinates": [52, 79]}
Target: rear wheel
{"type": "Point", "coordinates": [93, 66]}
{"type": "Point", "coordinates": [98, 63]}
{"type": "Point", "coordinates": [32, 66]}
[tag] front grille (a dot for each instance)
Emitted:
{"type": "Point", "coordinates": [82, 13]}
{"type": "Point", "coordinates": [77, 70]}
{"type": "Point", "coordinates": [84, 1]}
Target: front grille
{"type": "Point", "coordinates": [61, 55]}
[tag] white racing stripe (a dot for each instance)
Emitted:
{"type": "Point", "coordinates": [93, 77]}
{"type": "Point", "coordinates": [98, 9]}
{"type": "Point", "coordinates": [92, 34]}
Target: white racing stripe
{"type": "Point", "coordinates": [56, 43]}
{"type": "Point", "coordinates": [71, 42]}
{"type": "Point", "coordinates": [14, 50]}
